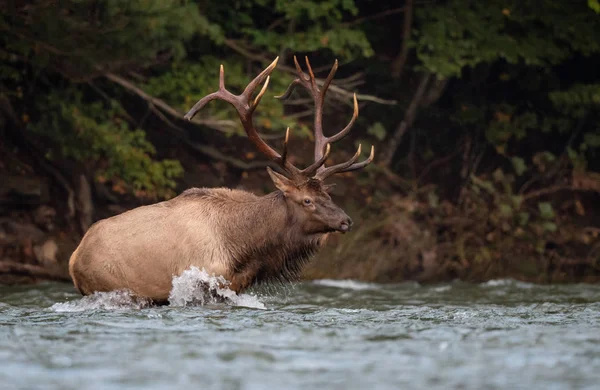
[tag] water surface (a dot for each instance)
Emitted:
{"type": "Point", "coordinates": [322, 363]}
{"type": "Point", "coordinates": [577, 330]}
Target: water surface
{"type": "Point", "coordinates": [324, 334]}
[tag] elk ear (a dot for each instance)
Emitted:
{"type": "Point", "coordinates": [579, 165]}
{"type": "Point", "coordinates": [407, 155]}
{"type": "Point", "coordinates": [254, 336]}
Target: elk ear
{"type": "Point", "coordinates": [281, 182]}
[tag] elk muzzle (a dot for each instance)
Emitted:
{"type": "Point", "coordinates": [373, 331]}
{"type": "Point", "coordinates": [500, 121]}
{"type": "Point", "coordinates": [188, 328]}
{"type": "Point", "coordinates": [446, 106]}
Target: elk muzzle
{"type": "Point", "coordinates": [345, 225]}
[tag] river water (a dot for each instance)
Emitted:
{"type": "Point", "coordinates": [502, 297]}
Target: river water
{"type": "Point", "coordinates": [324, 334]}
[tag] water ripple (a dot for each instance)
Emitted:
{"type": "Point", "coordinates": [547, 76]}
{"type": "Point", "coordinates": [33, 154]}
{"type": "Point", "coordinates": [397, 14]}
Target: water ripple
{"type": "Point", "coordinates": [325, 334]}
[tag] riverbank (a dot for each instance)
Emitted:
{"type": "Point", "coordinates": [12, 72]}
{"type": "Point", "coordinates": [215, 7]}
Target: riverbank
{"type": "Point", "coordinates": [396, 238]}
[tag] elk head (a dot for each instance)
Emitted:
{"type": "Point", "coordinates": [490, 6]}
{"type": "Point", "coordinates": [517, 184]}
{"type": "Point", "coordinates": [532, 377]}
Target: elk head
{"type": "Point", "coordinates": [304, 189]}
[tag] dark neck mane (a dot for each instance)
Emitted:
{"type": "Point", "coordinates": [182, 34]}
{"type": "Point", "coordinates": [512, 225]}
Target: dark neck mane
{"type": "Point", "coordinates": [274, 247]}
{"type": "Point", "coordinates": [261, 234]}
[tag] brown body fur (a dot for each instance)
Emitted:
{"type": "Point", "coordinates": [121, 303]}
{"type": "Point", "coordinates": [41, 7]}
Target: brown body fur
{"type": "Point", "coordinates": [236, 234]}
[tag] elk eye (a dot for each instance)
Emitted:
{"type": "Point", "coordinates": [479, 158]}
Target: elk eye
{"type": "Point", "coordinates": [307, 201]}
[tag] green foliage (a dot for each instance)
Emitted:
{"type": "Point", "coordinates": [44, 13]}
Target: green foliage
{"type": "Point", "coordinates": [505, 217]}
{"type": "Point", "coordinates": [268, 26]}
{"type": "Point", "coordinates": [520, 114]}
{"type": "Point", "coordinates": [185, 83]}
{"type": "Point", "coordinates": [465, 33]}
{"type": "Point", "coordinates": [377, 130]}
{"type": "Point", "coordinates": [506, 125]}
{"type": "Point", "coordinates": [577, 100]}
{"type": "Point", "coordinates": [526, 108]}
{"type": "Point", "coordinates": [98, 136]}
{"type": "Point", "coordinates": [297, 26]}
{"type": "Point", "coordinates": [519, 165]}
{"type": "Point", "coordinates": [546, 210]}
{"type": "Point", "coordinates": [82, 37]}
{"type": "Point", "coordinates": [51, 48]}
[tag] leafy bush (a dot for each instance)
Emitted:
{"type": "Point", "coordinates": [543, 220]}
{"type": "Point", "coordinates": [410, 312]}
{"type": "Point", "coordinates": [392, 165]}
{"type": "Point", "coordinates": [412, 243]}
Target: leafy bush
{"type": "Point", "coordinates": [98, 136]}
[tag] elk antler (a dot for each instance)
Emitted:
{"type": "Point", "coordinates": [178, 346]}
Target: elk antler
{"type": "Point", "coordinates": [322, 143]}
{"type": "Point", "coordinates": [245, 108]}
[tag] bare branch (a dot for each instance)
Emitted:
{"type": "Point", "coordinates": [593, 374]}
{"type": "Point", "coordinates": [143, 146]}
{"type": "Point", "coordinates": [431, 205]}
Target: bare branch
{"type": "Point", "coordinates": [222, 125]}
{"type": "Point", "coordinates": [409, 118]}
{"type": "Point", "coordinates": [181, 133]}
{"type": "Point", "coordinates": [435, 91]}
{"type": "Point", "coordinates": [7, 108]}
{"type": "Point", "coordinates": [155, 101]}
{"type": "Point", "coordinates": [209, 150]}
{"type": "Point", "coordinates": [554, 189]}
{"type": "Point", "coordinates": [341, 93]}
{"type": "Point", "coordinates": [400, 61]}
{"type": "Point", "coordinates": [35, 271]}
{"type": "Point", "coordinates": [376, 16]}
{"type": "Point", "coordinates": [437, 162]}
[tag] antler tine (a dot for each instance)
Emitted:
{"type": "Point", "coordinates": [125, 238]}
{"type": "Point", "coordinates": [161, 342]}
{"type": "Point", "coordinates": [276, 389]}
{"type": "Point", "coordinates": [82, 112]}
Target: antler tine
{"type": "Point", "coordinates": [221, 94]}
{"type": "Point", "coordinates": [329, 78]}
{"type": "Point", "coordinates": [221, 78]}
{"type": "Point", "coordinates": [260, 94]}
{"type": "Point", "coordinates": [251, 87]}
{"type": "Point", "coordinates": [346, 130]}
{"type": "Point", "coordinates": [326, 172]}
{"type": "Point", "coordinates": [302, 79]}
{"type": "Point", "coordinates": [285, 146]}
{"type": "Point", "coordinates": [313, 81]}
{"type": "Point", "coordinates": [289, 90]}
{"type": "Point", "coordinates": [363, 164]}
{"type": "Point", "coordinates": [299, 70]}
{"type": "Point", "coordinates": [312, 169]}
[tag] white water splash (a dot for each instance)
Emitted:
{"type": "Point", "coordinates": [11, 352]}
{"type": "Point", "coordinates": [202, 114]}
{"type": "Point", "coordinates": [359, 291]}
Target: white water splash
{"type": "Point", "coordinates": [196, 287]}
{"type": "Point", "coordinates": [347, 284]}
{"type": "Point", "coordinates": [113, 300]}
{"type": "Point", "coordinates": [506, 283]}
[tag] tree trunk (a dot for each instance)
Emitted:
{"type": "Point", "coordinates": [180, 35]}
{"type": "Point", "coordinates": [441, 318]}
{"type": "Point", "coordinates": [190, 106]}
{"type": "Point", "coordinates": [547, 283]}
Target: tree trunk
{"type": "Point", "coordinates": [408, 120]}
{"type": "Point", "coordinates": [400, 61]}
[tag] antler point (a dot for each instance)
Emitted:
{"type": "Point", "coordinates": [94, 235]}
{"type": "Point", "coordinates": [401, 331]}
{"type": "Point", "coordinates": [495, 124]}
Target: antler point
{"type": "Point", "coordinates": [274, 63]}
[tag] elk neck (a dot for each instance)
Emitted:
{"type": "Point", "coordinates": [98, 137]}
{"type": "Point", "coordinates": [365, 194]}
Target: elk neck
{"type": "Point", "coordinates": [267, 241]}
{"type": "Point", "coordinates": [265, 221]}
{"type": "Point", "coordinates": [262, 237]}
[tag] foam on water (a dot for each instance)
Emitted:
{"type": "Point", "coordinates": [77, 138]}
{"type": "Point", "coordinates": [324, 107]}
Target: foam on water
{"type": "Point", "coordinates": [113, 300]}
{"type": "Point", "coordinates": [347, 284]}
{"type": "Point", "coordinates": [507, 283]}
{"type": "Point", "coordinates": [194, 287]}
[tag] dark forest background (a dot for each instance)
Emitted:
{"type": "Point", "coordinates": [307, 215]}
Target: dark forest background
{"type": "Point", "coordinates": [484, 116]}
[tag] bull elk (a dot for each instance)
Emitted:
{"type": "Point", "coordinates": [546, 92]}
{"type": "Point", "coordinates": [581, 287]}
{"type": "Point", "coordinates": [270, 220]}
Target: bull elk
{"type": "Point", "coordinates": [245, 238]}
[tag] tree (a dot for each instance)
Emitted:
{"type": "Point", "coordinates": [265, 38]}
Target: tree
{"type": "Point", "coordinates": [489, 102]}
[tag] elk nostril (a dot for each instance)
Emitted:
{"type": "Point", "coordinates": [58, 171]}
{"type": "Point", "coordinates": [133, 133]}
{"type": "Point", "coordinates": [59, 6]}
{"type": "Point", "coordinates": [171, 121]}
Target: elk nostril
{"type": "Point", "coordinates": [346, 225]}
